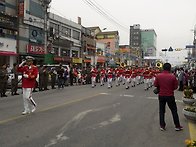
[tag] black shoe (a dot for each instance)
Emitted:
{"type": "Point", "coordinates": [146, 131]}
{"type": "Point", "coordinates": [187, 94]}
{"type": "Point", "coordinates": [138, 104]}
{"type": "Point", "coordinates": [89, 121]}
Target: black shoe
{"type": "Point", "coordinates": [4, 95]}
{"type": "Point", "coordinates": [16, 94]}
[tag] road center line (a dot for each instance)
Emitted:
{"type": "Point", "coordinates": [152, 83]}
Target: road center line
{"type": "Point", "coordinates": [48, 108]}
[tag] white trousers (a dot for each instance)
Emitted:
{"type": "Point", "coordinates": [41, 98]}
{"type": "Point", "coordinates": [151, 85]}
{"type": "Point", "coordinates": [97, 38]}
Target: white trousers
{"type": "Point", "coordinates": [109, 82]}
{"type": "Point", "coordinates": [146, 83]}
{"type": "Point", "coordinates": [93, 81]}
{"type": "Point", "coordinates": [102, 80]}
{"type": "Point", "coordinates": [27, 93]}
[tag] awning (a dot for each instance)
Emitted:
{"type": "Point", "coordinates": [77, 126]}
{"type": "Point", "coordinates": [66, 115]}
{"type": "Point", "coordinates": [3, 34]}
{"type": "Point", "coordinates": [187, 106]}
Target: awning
{"type": "Point", "coordinates": [8, 53]}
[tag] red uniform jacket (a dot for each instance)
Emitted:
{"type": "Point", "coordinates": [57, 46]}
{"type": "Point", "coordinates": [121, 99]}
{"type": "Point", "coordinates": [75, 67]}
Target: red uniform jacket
{"type": "Point", "coordinates": [110, 72]}
{"type": "Point", "coordinates": [32, 72]}
{"type": "Point", "coordinates": [93, 73]}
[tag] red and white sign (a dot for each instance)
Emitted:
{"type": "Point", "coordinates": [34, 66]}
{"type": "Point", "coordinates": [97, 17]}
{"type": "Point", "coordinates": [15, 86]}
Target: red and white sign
{"type": "Point", "coordinates": [33, 49]}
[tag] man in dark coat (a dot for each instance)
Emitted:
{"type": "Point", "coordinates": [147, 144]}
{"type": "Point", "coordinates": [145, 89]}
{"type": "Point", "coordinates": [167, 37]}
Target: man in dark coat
{"type": "Point", "coordinates": [3, 80]}
{"type": "Point", "coordinates": [14, 81]}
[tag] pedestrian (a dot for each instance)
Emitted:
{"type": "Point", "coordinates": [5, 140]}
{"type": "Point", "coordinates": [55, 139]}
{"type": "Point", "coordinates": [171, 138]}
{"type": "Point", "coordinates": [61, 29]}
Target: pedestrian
{"type": "Point", "coordinates": [14, 82]}
{"type": "Point", "coordinates": [30, 73]}
{"type": "Point", "coordinates": [3, 80]}
{"type": "Point", "coordinates": [181, 78]}
{"type": "Point", "coordinates": [41, 78]}
{"type": "Point", "coordinates": [167, 83]}
{"type": "Point", "coordinates": [60, 76]}
{"type": "Point", "coordinates": [46, 77]}
{"type": "Point", "coordinates": [53, 74]}
{"type": "Point", "coordinates": [71, 75]}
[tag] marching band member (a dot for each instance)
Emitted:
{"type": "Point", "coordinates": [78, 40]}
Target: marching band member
{"type": "Point", "coordinates": [117, 75]}
{"type": "Point", "coordinates": [30, 73]}
{"type": "Point", "coordinates": [93, 76]}
{"type": "Point", "coordinates": [133, 78]}
{"type": "Point", "coordinates": [146, 79]}
{"type": "Point", "coordinates": [102, 76]}
{"type": "Point", "coordinates": [127, 77]}
{"type": "Point", "coordinates": [110, 73]}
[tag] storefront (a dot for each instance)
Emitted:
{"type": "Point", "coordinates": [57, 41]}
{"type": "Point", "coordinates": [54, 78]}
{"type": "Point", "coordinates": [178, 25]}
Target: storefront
{"type": "Point", "coordinates": [8, 53]}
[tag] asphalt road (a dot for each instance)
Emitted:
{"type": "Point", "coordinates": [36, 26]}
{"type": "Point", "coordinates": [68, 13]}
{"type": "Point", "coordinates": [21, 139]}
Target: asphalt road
{"type": "Point", "coordinates": [81, 116]}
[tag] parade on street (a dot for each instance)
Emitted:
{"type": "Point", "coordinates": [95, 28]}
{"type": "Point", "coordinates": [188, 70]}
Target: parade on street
{"type": "Point", "coordinates": [96, 73]}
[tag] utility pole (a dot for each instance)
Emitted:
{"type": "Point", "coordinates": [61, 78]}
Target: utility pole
{"type": "Point", "coordinates": [45, 4]}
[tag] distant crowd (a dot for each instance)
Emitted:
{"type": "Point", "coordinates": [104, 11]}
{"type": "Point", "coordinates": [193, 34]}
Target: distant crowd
{"type": "Point", "coordinates": [59, 76]}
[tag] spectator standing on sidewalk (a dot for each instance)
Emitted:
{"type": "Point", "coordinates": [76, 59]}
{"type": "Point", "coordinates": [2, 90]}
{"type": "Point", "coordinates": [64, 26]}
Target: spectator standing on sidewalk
{"type": "Point", "coordinates": [53, 74]}
{"type": "Point", "coordinates": [41, 78]}
{"type": "Point", "coordinates": [60, 76]}
{"type": "Point", "coordinates": [167, 83]}
{"type": "Point", "coordinates": [3, 80]}
{"type": "Point", "coordinates": [181, 79]}
{"type": "Point", "coordinates": [30, 73]}
{"type": "Point", "coordinates": [46, 76]}
{"type": "Point", "coordinates": [14, 82]}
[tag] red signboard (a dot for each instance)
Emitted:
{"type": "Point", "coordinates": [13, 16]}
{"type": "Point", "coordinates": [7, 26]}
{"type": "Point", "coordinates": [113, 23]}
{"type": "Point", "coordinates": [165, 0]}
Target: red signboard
{"type": "Point", "coordinates": [33, 49]}
{"type": "Point", "coordinates": [21, 9]}
{"type": "Point", "coordinates": [101, 59]}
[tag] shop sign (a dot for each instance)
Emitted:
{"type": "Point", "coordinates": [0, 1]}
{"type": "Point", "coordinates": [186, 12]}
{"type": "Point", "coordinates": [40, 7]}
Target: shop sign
{"type": "Point", "coordinates": [77, 60]}
{"type": "Point", "coordinates": [60, 59]}
{"type": "Point", "coordinates": [101, 59]}
{"type": "Point", "coordinates": [33, 49]}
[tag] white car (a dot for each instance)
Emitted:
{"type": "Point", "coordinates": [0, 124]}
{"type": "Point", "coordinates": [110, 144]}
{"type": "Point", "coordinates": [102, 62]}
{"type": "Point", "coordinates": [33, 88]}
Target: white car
{"type": "Point", "coordinates": [9, 81]}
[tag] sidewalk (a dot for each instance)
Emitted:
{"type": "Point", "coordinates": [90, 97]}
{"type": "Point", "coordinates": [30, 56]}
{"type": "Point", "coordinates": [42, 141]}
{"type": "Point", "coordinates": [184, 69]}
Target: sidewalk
{"type": "Point", "coordinates": [191, 124]}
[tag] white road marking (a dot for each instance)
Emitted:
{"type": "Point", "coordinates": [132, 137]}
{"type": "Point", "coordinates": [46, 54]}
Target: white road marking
{"type": "Point", "coordinates": [114, 119]}
{"type": "Point", "coordinates": [75, 121]}
{"type": "Point", "coordinates": [128, 95]}
{"type": "Point", "coordinates": [104, 93]}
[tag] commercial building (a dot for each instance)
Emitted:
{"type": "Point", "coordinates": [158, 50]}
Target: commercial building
{"type": "Point", "coordinates": [64, 40]}
{"type": "Point", "coordinates": [149, 42]}
{"type": "Point", "coordinates": [8, 32]}
{"type": "Point", "coordinates": [111, 39]}
{"type": "Point", "coordinates": [88, 51]}
{"type": "Point", "coordinates": [32, 25]}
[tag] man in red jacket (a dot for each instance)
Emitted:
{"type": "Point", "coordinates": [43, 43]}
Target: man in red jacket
{"type": "Point", "coordinates": [29, 72]}
{"type": "Point", "coordinates": [167, 83]}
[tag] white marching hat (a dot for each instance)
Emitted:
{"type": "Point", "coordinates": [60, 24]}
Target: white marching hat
{"type": "Point", "coordinates": [30, 57]}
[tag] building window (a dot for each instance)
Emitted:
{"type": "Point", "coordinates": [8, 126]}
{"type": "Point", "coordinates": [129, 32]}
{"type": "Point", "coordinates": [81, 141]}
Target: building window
{"type": "Point", "coordinates": [76, 35]}
{"type": "Point", "coordinates": [65, 52]}
{"type": "Point", "coordinates": [66, 31]}
{"type": "Point", "coordinates": [55, 27]}
{"type": "Point", "coordinates": [36, 9]}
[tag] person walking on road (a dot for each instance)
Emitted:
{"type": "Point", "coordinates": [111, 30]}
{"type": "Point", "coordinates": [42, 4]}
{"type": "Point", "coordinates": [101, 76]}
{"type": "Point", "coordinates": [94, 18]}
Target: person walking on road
{"type": "Point", "coordinates": [30, 73]}
{"type": "Point", "coordinates": [167, 83]}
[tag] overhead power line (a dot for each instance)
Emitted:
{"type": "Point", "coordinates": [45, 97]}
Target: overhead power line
{"type": "Point", "coordinates": [99, 9]}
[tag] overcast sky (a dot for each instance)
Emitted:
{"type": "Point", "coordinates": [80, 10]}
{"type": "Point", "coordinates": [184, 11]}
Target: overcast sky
{"type": "Point", "coordinates": [172, 20]}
